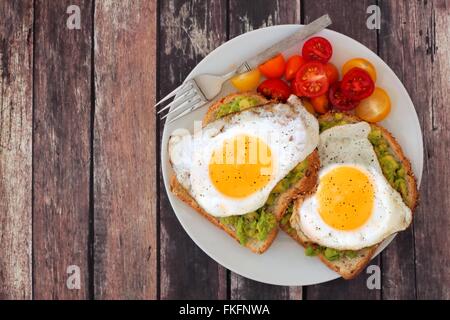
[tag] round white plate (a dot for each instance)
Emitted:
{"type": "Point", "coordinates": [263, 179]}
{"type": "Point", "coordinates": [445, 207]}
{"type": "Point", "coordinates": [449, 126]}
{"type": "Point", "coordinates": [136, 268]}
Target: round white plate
{"type": "Point", "coordinates": [285, 263]}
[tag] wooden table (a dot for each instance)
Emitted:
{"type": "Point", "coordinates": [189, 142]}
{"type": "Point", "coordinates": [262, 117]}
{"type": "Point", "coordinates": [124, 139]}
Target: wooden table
{"type": "Point", "coordinates": [80, 179]}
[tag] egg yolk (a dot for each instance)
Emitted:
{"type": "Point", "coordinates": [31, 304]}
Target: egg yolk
{"type": "Point", "coordinates": [241, 166]}
{"type": "Point", "coordinates": [346, 198]}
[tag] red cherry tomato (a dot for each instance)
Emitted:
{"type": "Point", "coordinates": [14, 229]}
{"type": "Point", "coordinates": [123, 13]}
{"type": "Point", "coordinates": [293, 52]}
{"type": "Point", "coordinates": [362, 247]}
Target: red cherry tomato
{"type": "Point", "coordinates": [274, 89]}
{"type": "Point", "coordinates": [317, 49]}
{"type": "Point", "coordinates": [311, 80]}
{"type": "Point", "coordinates": [357, 84]}
{"type": "Point", "coordinates": [339, 100]}
{"type": "Point", "coordinates": [292, 66]}
{"type": "Point", "coordinates": [332, 73]}
{"type": "Point", "coordinates": [273, 68]}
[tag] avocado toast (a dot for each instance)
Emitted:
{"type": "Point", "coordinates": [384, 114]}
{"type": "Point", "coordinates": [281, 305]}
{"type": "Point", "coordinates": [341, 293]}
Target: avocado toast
{"type": "Point", "coordinates": [397, 170]}
{"type": "Point", "coordinates": [257, 229]}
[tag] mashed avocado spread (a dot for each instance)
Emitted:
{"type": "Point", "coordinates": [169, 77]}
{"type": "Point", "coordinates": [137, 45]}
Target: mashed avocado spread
{"type": "Point", "coordinates": [237, 104]}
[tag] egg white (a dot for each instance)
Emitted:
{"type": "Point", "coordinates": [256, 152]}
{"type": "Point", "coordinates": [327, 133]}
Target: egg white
{"type": "Point", "coordinates": [348, 145]}
{"type": "Point", "coordinates": [289, 130]}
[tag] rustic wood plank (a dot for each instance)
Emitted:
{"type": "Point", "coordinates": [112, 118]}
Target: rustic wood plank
{"type": "Point", "coordinates": [188, 31]}
{"type": "Point", "coordinates": [405, 25]}
{"type": "Point", "coordinates": [419, 32]}
{"type": "Point", "coordinates": [16, 69]}
{"type": "Point", "coordinates": [124, 151]}
{"type": "Point", "coordinates": [349, 18]}
{"type": "Point", "coordinates": [246, 16]}
{"type": "Point", "coordinates": [61, 149]}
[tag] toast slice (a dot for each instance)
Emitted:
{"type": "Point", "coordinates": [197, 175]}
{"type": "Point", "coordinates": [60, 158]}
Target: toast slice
{"type": "Point", "coordinates": [305, 179]}
{"type": "Point", "coordinates": [350, 264]}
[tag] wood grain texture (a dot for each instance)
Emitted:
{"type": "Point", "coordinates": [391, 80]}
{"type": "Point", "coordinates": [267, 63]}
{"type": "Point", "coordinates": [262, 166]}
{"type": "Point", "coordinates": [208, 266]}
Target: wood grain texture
{"type": "Point", "coordinates": [419, 31]}
{"type": "Point", "coordinates": [124, 151]}
{"type": "Point", "coordinates": [61, 148]}
{"type": "Point", "coordinates": [188, 31]}
{"type": "Point", "coordinates": [245, 16]}
{"type": "Point", "coordinates": [349, 17]}
{"type": "Point", "coordinates": [16, 58]}
{"type": "Point", "coordinates": [405, 25]}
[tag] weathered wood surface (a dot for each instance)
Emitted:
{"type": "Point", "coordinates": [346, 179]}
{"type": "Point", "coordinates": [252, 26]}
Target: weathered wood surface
{"type": "Point", "coordinates": [188, 31]}
{"type": "Point", "coordinates": [125, 247]}
{"type": "Point", "coordinates": [419, 258]}
{"type": "Point", "coordinates": [16, 69]}
{"type": "Point", "coordinates": [405, 26]}
{"type": "Point", "coordinates": [61, 149]}
{"type": "Point", "coordinates": [79, 154]}
{"type": "Point", "coordinates": [245, 16]}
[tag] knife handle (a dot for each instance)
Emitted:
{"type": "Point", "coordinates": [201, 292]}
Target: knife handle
{"type": "Point", "coordinates": [288, 42]}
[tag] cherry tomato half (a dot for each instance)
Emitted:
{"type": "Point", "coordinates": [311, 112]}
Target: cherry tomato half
{"type": "Point", "coordinates": [360, 63]}
{"type": "Point", "coordinates": [246, 81]}
{"type": "Point", "coordinates": [274, 89]}
{"type": "Point", "coordinates": [332, 73]}
{"type": "Point", "coordinates": [357, 84]}
{"type": "Point", "coordinates": [317, 49]}
{"type": "Point", "coordinates": [293, 64]}
{"type": "Point", "coordinates": [320, 103]}
{"type": "Point", "coordinates": [311, 80]}
{"type": "Point", "coordinates": [339, 100]}
{"type": "Point", "coordinates": [374, 108]}
{"type": "Point", "coordinates": [273, 68]}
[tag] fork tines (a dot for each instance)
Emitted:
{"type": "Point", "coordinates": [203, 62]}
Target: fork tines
{"type": "Point", "coordinates": [188, 98]}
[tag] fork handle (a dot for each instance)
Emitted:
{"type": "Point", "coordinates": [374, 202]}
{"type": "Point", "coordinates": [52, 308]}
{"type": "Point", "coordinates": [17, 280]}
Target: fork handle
{"type": "Point", "coordinates": [288, 42]}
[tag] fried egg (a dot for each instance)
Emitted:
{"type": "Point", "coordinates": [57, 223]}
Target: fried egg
{"type": "Point", "coordinates": [354, 206]}
{"type": "Point", "coordinates": [232, 164]}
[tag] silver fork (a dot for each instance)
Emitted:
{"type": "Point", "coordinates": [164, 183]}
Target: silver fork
{"type": "Point", "coordinates": [195, 92]}
{"type": "Point", "coordinates": [201, 89]}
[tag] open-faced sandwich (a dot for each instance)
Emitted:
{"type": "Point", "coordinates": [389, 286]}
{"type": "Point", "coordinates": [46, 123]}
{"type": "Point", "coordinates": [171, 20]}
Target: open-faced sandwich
{"type": "Point", "coordinates": [366, 192]}
{"type": "Point", "coordinates": [252, 158]}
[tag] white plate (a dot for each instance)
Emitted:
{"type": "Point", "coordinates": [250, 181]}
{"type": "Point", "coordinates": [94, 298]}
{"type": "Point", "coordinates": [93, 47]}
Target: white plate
{"type": "Point", "coordinates": [285, 263]}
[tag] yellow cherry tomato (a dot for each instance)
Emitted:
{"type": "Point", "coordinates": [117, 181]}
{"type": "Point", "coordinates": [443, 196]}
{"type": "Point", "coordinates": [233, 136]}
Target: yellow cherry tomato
{"type": "Point", "coordinates": [360, 63]}
{"type": "Point", "coordinates": [247, 81]}
{"type": "Point", "coordinates": [374, 108]}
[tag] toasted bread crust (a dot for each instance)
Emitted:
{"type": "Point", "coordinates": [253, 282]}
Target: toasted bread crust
{"type": "Point", "coordinates": [210, 115]}
{"type": "Point", "coordinates": [349, 268]}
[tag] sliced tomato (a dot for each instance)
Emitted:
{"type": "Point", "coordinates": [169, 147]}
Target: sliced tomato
{"type": "Point", "coordinates": [246, 81]}
{"type": "Point", "coordinates": [274, 89]}
{"type": "Point", "coordinates": [317, 49]}
{"type": "Point", "coordinates": [332, 73]}
{"type": "Point", "coordinates": [311, 80]}
{"type": "Point", "coordinates": [357, 84]}
{"type": "Point", "coordinates": [374, 108]}
{"type": "Point", "coordinates": [273, 68]}
{"type": "Point", "coordinates": [293, 64]}
{"type": "Point", "coordinates": [339, 100]}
